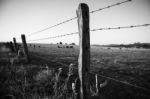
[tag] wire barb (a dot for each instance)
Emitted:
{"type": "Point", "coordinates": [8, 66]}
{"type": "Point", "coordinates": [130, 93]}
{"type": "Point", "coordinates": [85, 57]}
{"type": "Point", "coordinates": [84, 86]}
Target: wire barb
{"type": "Point", "coordinates": [55, 36]}
{"type": "Point", "coordinates": [116, 4]}
{"type": "Point", "coordinates": [52, 26]}
{"type": "Point", "coordinates": [123, 27]}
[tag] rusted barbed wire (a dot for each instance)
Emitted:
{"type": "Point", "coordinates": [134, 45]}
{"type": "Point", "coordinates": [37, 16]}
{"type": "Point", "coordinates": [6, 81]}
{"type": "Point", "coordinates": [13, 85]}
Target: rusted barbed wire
{"type": "Point", "coordinates": [109, 28]}
{"type": "Point", "coordinates": [116, 4]}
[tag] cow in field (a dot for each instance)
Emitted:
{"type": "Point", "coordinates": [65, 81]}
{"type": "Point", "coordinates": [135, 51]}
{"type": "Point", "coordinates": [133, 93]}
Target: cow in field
{"type": "Point", "coordinates": [67, 46]}
{"type": "Point", "coordinates": [64, 46]}
{"type": "Point", "coordinates": [71, 46]}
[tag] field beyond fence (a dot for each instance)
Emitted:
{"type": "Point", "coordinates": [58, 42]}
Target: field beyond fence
{"type": "Point", "coordinates": [70, 71]}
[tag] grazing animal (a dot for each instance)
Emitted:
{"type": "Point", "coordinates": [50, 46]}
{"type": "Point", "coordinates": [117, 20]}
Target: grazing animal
{"type": "Point", "coordinates": [71, 46]}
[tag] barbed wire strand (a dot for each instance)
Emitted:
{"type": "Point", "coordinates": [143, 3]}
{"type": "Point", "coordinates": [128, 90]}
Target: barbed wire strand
{"type": "Point", "coordinates": [123, 27]}
{"type": "Point", "coordinates": [123, 82]}
{"type": "Point", "coordinates": [116, 4]}
{"type": "Point", "coordinates": [55, 36]}
{"type": "Point", "coordinates": [109, 28]}
{"type": "Point", "coordinates": [52, 26]}
{"type": "Point", "coordinates": [110, 78]}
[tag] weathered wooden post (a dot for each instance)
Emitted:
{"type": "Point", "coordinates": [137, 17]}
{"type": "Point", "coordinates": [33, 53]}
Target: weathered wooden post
{"type": "Point", "coordinates": [15, 45]}
{"type": "Point", "coordinates": [84, 55]}
{"type": "Point", "coordinates": [25, 48]}
{"type": "Point", "coordinates": [11, 46]}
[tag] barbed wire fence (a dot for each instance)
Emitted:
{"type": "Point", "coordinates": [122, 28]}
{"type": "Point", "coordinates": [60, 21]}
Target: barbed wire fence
{"type": "Point", "coordinates": [71, 19]}
{"type": "Point", "coordinates": [109, 28]}
{"type": "Point", "coordinates": [93, 30]}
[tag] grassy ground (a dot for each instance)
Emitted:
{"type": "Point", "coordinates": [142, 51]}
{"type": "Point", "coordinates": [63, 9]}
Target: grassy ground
{"type": "Point", "coordinates": [127, 65]}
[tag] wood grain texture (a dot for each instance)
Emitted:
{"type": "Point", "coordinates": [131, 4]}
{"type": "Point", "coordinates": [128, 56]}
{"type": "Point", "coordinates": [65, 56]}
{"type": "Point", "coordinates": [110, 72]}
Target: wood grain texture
{"type": "Point", "coordinates": [84, 54]}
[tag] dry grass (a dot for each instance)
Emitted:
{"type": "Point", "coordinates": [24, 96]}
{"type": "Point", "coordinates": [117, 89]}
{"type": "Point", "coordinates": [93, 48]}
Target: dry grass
{"type": "Point", "coordinates": [36, 81]}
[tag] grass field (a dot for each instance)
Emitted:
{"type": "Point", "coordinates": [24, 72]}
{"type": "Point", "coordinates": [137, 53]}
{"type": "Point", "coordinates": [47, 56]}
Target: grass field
{"type": "Point", "coordinates": [130, 66]}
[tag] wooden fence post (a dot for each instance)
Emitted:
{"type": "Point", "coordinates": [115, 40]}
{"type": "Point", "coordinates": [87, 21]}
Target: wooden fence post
{"type": "Point", "coordinates": [25, 48]}
{"type": "Point", "coordinates": [15, 45]}
{"type": "Point", "coordinates": [11, 46]}
{"type": "Point", "coordinates": [84, 55]}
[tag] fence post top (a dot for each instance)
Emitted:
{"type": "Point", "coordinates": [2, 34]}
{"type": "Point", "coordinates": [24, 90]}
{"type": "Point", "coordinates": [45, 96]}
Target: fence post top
{"type": "Point", "coordinates": [22, 34]}
{"type": "Point", "coordinates": [83, 6]}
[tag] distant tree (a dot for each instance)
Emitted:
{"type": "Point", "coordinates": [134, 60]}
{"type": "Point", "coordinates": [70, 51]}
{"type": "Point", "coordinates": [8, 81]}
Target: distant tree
{"type": "Point", "coordinates": [146, 46]}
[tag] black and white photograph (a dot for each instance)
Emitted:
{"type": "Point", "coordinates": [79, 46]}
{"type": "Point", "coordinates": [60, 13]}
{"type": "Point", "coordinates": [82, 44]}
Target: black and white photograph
{"type": "Point", "coordinates": [74, 49]}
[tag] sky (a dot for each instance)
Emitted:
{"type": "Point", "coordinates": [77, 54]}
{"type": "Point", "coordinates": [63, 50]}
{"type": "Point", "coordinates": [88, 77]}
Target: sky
{"type": "Point", "coordinates": [27, 16]}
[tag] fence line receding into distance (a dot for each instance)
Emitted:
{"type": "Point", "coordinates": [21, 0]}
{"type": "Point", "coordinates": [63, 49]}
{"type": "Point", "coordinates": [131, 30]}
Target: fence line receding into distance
{"type": "Point", "coordinates": [85, 40]}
